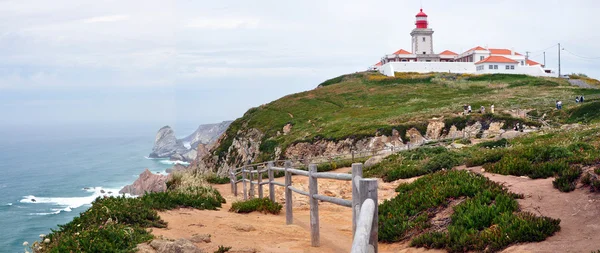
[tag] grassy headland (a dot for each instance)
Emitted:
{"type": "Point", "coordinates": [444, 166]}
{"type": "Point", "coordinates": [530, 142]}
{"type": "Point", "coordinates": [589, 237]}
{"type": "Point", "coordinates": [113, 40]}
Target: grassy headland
{"type": "Point", "coordinates": [364, 104]}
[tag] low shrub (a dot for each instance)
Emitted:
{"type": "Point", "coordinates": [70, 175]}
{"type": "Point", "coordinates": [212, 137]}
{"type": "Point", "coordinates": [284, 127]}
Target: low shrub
{"type": "Point", "coordinates": [494, 144]}
{"type": "Point", "coordinates": [222, 249]}
{"type": "Point", "coordinates": [446, 160]}
{"type": "Point", "coordinates": [264, 205]}
{"type": "Point", "coordinates": [216, 179]}
{"type": "Point", "coordinates": [510, 165]}
{"type": "Point", "coordinates": [567, 179]}
{"type": "Point", "coordinates": [481, 222]}
{"type": "Point", "coordinates": [484, 156]}
{"type": "Point", "coordinates": [118, 224]}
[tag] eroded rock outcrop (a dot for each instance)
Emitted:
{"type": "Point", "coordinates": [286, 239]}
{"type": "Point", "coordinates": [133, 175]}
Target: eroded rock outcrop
{"type": "Point", "coordinates": [146, 182]}
{"type": "Point", "coordinates": [166, 144]}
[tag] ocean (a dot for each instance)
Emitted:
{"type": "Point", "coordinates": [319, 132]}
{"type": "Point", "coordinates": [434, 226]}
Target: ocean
{"type": "Point", "coordinates": [48, 175]}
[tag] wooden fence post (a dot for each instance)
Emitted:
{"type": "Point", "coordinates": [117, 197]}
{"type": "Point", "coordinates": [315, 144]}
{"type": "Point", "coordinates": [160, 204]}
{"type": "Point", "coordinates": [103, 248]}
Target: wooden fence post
{"type": "Point", "coordinates": [235, 189]}
{"type": "Point", "coordinates": [313, 189]}
{"type": "Point", "coordinates": [271, 185]}
{"type": "Point", "coordinates": [260, 186]}
{"type": "Point", "coordinates": [231, 179]}
{"type": "Point", "coordinates": [288, 194]}
{"type": "Point", "coordinates": [251, 176]}
{"type": "Point", "coordinates": [368, 190]}
{"type": "Point", "coordinates": [356, 176]}
{"type": "Point", "coordinates": [244, 182]}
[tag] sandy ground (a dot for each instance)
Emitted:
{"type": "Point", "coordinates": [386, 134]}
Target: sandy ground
{"type": "Point", "coordinates": [579, 213]}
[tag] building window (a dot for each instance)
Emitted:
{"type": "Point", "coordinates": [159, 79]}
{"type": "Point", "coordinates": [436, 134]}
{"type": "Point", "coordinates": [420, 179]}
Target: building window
{"type": "Point", "coordinates": [423, 39]}
{"type": "Point", "coordinates": [403, 59]}
{"type": "Point", "coordinates": [512, 66]}
{"type": "Point", "coordinates": [491, 67]}
{"type": "Point", "coordinates": [428, 60]}
{"type": "Point", "coordinates": [507, 67]}
{"type": "Point", "coordinates": [424, 52]}
{"type": "Point", "coordinates": [481, 58]}
{"type": "Point", "coordinates": [522, 63]}
{"type": "Point", "coordinates": [495, 66]}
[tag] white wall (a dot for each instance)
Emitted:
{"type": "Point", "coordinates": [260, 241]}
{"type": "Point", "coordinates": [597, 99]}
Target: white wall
{"type": "Point", "coordinates": [425, 67]}
{"type": "Point", "coordinates": [388, 69]}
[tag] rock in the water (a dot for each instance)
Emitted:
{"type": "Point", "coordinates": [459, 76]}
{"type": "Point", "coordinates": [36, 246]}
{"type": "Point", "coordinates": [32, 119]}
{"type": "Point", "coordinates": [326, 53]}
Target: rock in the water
{"type": "Point", "coordinates": [179, 246]}
{"type": "Point", "coordinates": [197, 238]}
{"type": "Point", "coordinates": [166, 144]}
{"type": "Point", "coordinates": [147, 182]}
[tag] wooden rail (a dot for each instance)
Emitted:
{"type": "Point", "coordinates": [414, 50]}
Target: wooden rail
{"type": "Point", "coordinates": [362, 189]}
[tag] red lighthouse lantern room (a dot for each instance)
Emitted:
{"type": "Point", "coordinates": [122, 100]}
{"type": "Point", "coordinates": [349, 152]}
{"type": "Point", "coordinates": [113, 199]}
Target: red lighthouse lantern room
{"type": "Point", "coordinates": [421, 20]}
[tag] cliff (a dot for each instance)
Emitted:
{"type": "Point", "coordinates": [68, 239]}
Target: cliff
{"type": "Point", "coordinates": [166, 144]}
{"type": "Point", "coordinates": [367, 111]}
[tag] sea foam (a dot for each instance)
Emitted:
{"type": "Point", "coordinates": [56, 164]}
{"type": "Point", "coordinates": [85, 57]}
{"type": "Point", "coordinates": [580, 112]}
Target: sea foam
{"type": "Point", "coordinates": [70, 202]}
{"type": "Point", "coordinates": [174, 162]}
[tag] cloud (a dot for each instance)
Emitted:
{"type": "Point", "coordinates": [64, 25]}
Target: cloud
{"type": "Point", "coordinates": [106, 19]}
{"type": "Point", "coordinates": [223, 23]}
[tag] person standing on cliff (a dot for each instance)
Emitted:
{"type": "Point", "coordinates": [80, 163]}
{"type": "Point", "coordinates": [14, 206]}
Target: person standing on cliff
{"type": "Point", "coordinates": [482, 110]}
{"type": "Point", "coordinates": [465, 109]}
{"type": "Point", "coordinates": [492, 109]}
{"type": "Point", "coordinates": [469, 108]}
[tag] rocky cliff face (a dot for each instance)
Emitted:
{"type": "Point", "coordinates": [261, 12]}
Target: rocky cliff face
{"type": "Point", "coordinates": [166, 144]}
{"type": "Point", "coordinates": [246, 144]}
{"type": "Point", "coordinates": [206, 134]}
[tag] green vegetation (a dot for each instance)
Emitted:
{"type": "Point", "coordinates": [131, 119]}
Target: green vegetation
{"type": "Point", "coordinates": [118, 224]}
{"type": "Point", "coordinates": [222, 249]}
{"type": "Point", "coordinates": [414, 163]}
{"type": "Point", "coordinates": [365, 104]}
{"type": "Point", "coordinates": [487, 219]}
{"type": "Point", "coordinates": [216, 179]}
{"type": "Point", "coordinates": [264, 205]}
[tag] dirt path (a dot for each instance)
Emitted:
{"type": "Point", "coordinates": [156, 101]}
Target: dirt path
{"type": "Point", "coordinates": [579, 212]}
{"type": "Point", "coordinates": [268, 233]}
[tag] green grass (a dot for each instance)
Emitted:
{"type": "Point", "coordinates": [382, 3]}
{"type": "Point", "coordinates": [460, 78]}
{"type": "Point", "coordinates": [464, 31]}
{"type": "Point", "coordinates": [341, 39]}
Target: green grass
{"type": "Point", "coordinates": [412, 163]}
{"type": "Point", "coordinates": [361, 105]}
{"type": "Point", "coordinates": [263, 205]}
{"type": "Point", "coordinates": [488, 218]}
{"type": "Point", "coordinates": [118, 224]}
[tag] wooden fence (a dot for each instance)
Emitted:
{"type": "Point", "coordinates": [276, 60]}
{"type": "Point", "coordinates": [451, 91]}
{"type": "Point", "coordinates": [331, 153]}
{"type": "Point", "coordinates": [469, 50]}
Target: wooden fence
{"type": "Point", "coordinates": [363, 203]}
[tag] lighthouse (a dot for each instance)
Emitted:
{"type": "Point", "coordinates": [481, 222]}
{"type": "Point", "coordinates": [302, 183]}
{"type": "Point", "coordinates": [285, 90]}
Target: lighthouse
{"type": "Point", "coordinates": [422, 38]}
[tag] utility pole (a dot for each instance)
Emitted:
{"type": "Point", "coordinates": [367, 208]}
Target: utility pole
{"type": "Point", "coordinates": [544, 59]}
{"type": "Point", "coordinates": [559, 76]}
{"type": "Point", "coordinates": [527, 55]}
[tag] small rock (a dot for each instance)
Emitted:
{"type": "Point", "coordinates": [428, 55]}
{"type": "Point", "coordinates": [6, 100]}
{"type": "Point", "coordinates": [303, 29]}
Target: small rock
{"type": "Point", "coordinates": [180, 246]}
{"type": "Point", "coordinates": [244, 227]}
{"type": "Point", "coordinates": [109, 192]}
{"type": "Point", "coordinates": [144, 248]}
{"type": "Point", "coordinates": [197, 238]}
{"type": "Point", "coordinates": [329, 193]}
{"type": "Point", "coordinates": [372, 161]}
{"type": "Point", "coordinates": [32, 200]}
{"type": "Point", "coordinates": [102, 191]}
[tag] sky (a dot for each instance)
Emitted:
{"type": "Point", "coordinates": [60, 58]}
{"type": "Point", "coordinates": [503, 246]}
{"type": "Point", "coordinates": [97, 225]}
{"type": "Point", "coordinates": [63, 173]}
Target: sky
{"type": "Point", "coordinates": [184, 62]}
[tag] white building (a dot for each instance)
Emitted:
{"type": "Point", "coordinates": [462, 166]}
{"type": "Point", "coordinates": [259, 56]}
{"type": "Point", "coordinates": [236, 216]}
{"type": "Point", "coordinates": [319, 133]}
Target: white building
{"type": "Point", "coordinates": [477, 60]}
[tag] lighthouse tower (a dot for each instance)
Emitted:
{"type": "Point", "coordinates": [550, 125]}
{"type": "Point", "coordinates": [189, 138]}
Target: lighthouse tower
{"type": "Point", "coordinates": [422, 39]}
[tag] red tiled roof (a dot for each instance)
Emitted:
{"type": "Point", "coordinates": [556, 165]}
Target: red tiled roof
{"type": "Point", "coordinates": [497, 59]}
{"type": "Point", "coordinates": [476, 48]}
{"type": "Point", "coordinates": [448, 52]}
{"type": "Point", "coordinates": [402, 51]}
{"type": "Point", "coordinates": [502, 51]}
{"type": "Point", "coordinates": [532, 63]}
{"type": "Point", "coordinates": [378, 64]}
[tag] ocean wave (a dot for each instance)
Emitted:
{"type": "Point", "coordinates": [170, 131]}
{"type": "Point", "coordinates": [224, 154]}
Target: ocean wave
{"type": "Point", "coordinates": [9, 204]}
{"type": "Point", "coordinates": [70, 202]}
{"type": "Point", "coordinates": [174, 162]}
{"type": "Point", "coordinates": [150, 158]}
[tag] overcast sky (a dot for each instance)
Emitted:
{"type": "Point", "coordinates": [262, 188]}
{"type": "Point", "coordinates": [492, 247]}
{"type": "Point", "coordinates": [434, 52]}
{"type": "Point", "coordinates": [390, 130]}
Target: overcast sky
{"type": "Point", "coordinates": [174, 62]}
